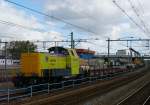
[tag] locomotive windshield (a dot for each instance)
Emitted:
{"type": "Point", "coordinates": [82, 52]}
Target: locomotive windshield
{"type": "Point", "coordinates": [58, 51]}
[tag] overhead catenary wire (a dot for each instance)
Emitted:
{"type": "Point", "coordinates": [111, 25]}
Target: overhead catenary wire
{"type": "Point", "coordinates": [142, 9]}
{"type": "Point", "coordinates": [19, 25]}
{"type": "Point", "coordinates": [50, 16]}
{"type": "Point", "coordinates": [2, 36]}
{"type": "Point", "coordinates": [9, 35]}
{"type": "Point", "coordinates": [96, 44]}
{"type": "Point", "coordinates": [133, 45]}
{"type": "Point", "coordinates": [139, 17]}
{"type": "Point", "coordinates": [139, 26]}
{"type": "Point", "coordinates": [104, 46]}
{"type": "Point", "coordinates": [99, 47]}
{"type": "Point", "coordinates": [140, 5]}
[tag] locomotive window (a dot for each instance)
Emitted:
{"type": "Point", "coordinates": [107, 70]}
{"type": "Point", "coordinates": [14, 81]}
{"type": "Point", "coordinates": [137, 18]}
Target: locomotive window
{"type": "Point", "coordinates": [58, 51]}
{"type": "Point", "coordinates": [65, 53]}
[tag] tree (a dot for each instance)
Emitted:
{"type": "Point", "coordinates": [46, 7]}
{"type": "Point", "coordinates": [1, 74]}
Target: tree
{"type": "Point", "coordinates": [15, 48]}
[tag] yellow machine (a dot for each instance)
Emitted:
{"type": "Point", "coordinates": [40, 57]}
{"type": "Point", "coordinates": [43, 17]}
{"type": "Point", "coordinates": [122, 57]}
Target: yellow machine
{"type": "Point", "coordinates": [137, 61]}
{"type": "Point", "coordinates": [58, 63]}
{"type": "Point", "coordinates": [37, 63]}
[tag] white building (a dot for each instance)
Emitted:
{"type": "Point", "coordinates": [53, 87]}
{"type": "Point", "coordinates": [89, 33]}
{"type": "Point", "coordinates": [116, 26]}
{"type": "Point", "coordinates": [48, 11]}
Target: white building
{"type": "Point", "coordinates": [8, 61]}
{"type": "Point", "coordinates": [123, 52]}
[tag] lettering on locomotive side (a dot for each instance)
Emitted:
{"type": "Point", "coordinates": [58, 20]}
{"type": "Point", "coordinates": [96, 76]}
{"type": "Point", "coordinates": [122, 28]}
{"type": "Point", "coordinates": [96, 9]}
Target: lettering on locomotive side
{"type": "Point", "coordinates": [53, 60]}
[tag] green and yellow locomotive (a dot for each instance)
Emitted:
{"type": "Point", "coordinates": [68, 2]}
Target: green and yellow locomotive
{"type": "Point", "coordinates": [58, 64]}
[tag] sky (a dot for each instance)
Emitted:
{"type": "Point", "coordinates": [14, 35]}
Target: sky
{"type": "Point", "coordinates": [96, 19]}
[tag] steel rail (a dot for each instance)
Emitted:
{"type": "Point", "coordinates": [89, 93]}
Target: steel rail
{"type": "Point", "coordinates": [132, 93]}
{"type": "Point", "coordinates": [146, 101]}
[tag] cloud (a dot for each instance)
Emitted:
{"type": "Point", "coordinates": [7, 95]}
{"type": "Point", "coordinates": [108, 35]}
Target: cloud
{"type": "Point", "coordinates": [99, 16]}
{"type": "Point", "coordinates": [33, 26]}
{"type": "Point", "coordinates": [94, 15]}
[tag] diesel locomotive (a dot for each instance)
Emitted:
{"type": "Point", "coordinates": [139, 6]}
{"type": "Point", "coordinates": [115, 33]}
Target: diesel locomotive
{"type": "Point", "coordinates": [58, 64]}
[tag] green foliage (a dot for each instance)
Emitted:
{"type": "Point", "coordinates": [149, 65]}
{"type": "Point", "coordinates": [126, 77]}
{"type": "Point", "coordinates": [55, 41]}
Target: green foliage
{"type": "Point", "coordinates": [15, 48]}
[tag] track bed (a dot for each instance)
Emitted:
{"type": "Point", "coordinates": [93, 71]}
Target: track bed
{"type": "Point", "coordinates": [80, 94]}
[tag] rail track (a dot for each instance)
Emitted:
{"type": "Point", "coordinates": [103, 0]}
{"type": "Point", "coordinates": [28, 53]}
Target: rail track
{"type": "Point", "coordinates": [75, 97]}
{"type": "Point", "coordinates": [147, 101]}
{"type": "Point", "coordinates": [81, 93]}
{"type": "Point", "coordinates": [140, 96]}
{"type": "Point", "coordinates": [12, 94]}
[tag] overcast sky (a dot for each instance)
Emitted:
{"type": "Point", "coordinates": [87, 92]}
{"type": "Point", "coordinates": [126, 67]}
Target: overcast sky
{"type": "Point", "coordinates": [102, 17]}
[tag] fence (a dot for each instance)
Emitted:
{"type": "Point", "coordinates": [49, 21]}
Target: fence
{"type": "Point", "coordinates": [15, 94]}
